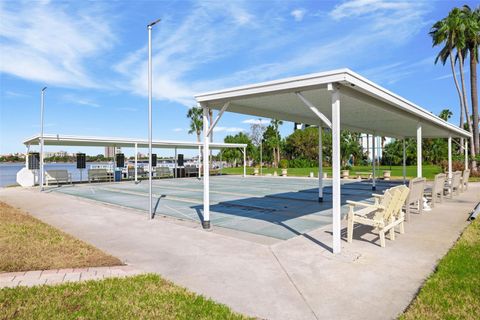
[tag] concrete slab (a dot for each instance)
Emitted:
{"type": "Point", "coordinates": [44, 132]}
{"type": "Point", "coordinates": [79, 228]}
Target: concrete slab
{"type": "Point", "coordinates": [289, 279]}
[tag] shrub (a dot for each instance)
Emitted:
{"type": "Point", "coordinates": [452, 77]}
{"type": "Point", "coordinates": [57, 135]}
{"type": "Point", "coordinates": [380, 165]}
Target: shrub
{"type": "Point", "coordinates": [283, 164]}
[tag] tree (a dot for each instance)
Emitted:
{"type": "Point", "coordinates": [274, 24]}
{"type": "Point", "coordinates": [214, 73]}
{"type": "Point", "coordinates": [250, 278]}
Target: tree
{"type": "Point", "coordinates": [471, 20]}
{"type": "Point", "coordinates": [256, 136]}
{"type": "Point", "coordinates": [445, 114]}
{"type": "Point", "coordinates": [235, 156]}
{"type": "Point", "coordinates": [196, 121]}
{"type": "Point", "coordinates": [446, 32]}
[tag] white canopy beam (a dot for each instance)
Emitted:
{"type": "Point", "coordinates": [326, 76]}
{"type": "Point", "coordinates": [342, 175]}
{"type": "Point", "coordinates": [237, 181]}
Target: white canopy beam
{"type": "Point", "coordinates": [336, 195]}
{"type": "Point", "coordinates": [212, 126]}
{"type": "Point", "coordinates": [314, 110]}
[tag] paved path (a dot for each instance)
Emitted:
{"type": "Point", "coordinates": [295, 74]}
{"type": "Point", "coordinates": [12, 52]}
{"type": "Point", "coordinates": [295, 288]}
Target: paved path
{"type": "Point", "coordinates": [58, 276]}
{"type": "Point", "coordinates": [294, 279]}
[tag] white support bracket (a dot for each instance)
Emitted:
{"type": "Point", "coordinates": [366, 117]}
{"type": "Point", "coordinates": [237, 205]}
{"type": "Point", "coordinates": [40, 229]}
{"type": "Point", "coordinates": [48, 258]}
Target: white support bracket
{"type": "Point", "coordinates": [212, 126]}
{"type": "Point", "coordinates": [314, 109]}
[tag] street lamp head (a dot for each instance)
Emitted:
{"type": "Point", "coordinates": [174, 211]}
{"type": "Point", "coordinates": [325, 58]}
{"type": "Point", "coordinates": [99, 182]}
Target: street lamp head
{"type": "Point", "coordinates": [44, 88]}
{"type": "Point", "coordinates": [153, 23]}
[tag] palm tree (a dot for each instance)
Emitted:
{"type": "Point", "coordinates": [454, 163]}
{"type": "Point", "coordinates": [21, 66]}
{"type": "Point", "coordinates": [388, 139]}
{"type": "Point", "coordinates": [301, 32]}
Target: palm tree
{"type": "Point", "coordinates": [445, 114]}
{"type": "Point", "coordinates": [196, 121]}
{"type": "Point", "coordinates": [276, 151]}
{"type": "Point", "coordinates": [451, 32]}
{"type": "Point", "coordinates": [471, 20]}
{"type": "Point", "coordinates": [445, 32]}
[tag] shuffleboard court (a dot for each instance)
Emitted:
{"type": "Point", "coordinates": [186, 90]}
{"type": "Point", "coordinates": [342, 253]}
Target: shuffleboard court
{"type": "Point", "coordinates": [275, 207]}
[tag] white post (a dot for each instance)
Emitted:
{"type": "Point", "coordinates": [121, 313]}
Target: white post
{"type": "Point", "coordinates": [42, 107]}
{"type": "Point", "coordinates": [336, 196]}
{"type": "Point", "coordinates": [136, 160]}
{"type": "Point", "coordinates": [320, 165]}
{"type": "Point", "coordinates": [261, 163]}
{"type": "Point", "coordinates": [206, 172]}
{"type": "Point", "coordinates": [374, 187]}
{"type": "Point", "coordinates": [466, 154]}
{"type": "Point", "coordinates": [404, 163]}
{"type": "Point", "coordinates": [244, 162]}
{"type": "Point", "coordinates": [150, 200]}
{"type": "Point", "coordinates": [175, 165]}
{"type": "Point", "coordinates": [199, 162]}
{"type": "Point", "coordinates": [449, 158]}
{"type": "Point", "coordinates": [26, 155]}
{"type": "Point", "coordinates": [419, 150]}
{"type": "Point", "coordinates": [150, 205]}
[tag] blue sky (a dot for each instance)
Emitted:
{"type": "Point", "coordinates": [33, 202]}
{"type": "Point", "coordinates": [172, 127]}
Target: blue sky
{"type": "Point", "coordinates": [93, 55]}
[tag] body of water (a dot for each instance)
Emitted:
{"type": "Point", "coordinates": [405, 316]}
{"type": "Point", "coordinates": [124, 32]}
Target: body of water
{"type": "Point", "coordinates": [8, 171]}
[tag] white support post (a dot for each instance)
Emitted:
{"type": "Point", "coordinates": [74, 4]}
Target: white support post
{"type": "Point", "coordinates": [336, 195]}
{"type": "Point", "coordinates": [320, 165]}
{"type": "Point", "coordinates": [419, 150]}
{"type": "Point", "coordinates": [466, 154]}
{"type": "Point", "coordinates": [244, 162]}
{"type": "Point", "coordinates": [449, 158]}
{"type": "Point", "coordinates": [214, 123]}
{"type": "Point", "coordinates": [199, 162]}
{"type": "Point", "coordinates": [404, 163]}
{"type": "Point", "coordinates": [175, 165]}
{"type": "Point", "coordinates": [26, 155]}
{"type": "Point", "coordinates": [206, 171]}
{"type": "Point", "coordinates": [374, 187]}
{"type": "Point", "coordinates": [136, 162]}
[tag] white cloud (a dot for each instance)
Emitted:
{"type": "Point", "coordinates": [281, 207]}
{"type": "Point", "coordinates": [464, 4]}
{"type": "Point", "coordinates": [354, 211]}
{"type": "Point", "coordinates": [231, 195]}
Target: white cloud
{"type": "Point", "coordinates": [70, 98]}
{"type": "Point", "coordinates": [177, 129]}
{"type": "Point", "coordinates": [354, 8]}
{"type": "Point", "coordinates": [256, 121]}
{"type": "Point", "coordinates": [45, 43]}
{"type": "Point", "coordinates": [298, 14]}
{"type": "Point", "coordinates": [228, 129]}
{"type": "Point", "coordinates": [181, 47]}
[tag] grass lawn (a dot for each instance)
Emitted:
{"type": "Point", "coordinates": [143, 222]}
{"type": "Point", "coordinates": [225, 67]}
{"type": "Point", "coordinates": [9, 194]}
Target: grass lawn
{"type": "Point", "coordinates": [29, 244]}
{"type": "Point", "coordinates": [139, 297]}
{"type": "Point", "coordinates": [453, 291]}
{"type": "Point", "coordinates": [429, 171]}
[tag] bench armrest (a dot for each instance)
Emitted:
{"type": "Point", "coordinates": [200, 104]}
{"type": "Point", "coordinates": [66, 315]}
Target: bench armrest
{"type": "Point", "coordinates": [360, 204]}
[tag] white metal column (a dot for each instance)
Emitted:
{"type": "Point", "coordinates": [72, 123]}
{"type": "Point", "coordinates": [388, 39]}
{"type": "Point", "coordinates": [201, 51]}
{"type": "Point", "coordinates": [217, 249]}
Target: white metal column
{"type": "Point", "coordinates": [373, 161]}
{"type": "Point", "coordinates": [419, 150]}
{"type": "Point", "coordinates": [136, 161]}
{"type": "Point", "coordinates": [199, 162]}
{"type": "Point", "coordinates": [336, 195]}
{"type": "Point", "coordinates": [450, 157]}
{"type": "Point", "coordinates": [26, 155]}
{"type": "Point", "coordinates": [175, 165]}
{"type": "Point", "coordinates": [42, 169]}
{"type": "Point", "coordinates": [320, 165]}
{"type": "Point", "coordinates": [466, 154]}
{"type": "Point", "coordinates": [206, 172]}
{"type": "Point", "coordinates": [404, 163]}
{"type": "Point", "coordinates": [244, 162]}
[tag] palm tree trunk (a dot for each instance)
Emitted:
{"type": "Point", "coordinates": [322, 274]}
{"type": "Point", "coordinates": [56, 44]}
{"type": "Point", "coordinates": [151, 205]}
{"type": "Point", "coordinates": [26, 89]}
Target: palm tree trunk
{"type": "Point", "coordinates": [469, 122]}
{"type": "Point", "coordinates": [474, 96]}
{"type": "Point", "coordinates": [460, 97]}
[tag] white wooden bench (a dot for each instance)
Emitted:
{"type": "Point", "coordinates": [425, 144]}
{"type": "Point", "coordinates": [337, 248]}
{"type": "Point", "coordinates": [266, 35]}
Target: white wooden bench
{"type": "Point", "coordinates": [99, 175]}
{"type": "Point", "coordinates": [58, 176]}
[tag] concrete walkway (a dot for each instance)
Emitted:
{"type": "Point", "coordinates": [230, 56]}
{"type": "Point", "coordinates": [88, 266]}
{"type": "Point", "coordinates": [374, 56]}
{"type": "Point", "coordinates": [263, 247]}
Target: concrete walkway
{"type": "Point", "coordinates": [58, 276]}
{"type": "Point", "coordinates": [293, 279]}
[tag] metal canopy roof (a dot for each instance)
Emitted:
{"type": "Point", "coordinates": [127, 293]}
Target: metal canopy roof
{"type": "Point", "coordinates": [365, 106]}
{"type": "Point", "coordinates": [65, 140]}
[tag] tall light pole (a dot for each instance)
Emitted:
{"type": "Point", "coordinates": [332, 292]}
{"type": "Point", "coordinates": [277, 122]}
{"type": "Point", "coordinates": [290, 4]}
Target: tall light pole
{"type": "Point", "coordinates": [261, 145]}
{"type": "Point", "coordinates": [42, 107]}
{"type": "Point", "coordinates": [150, 205]}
